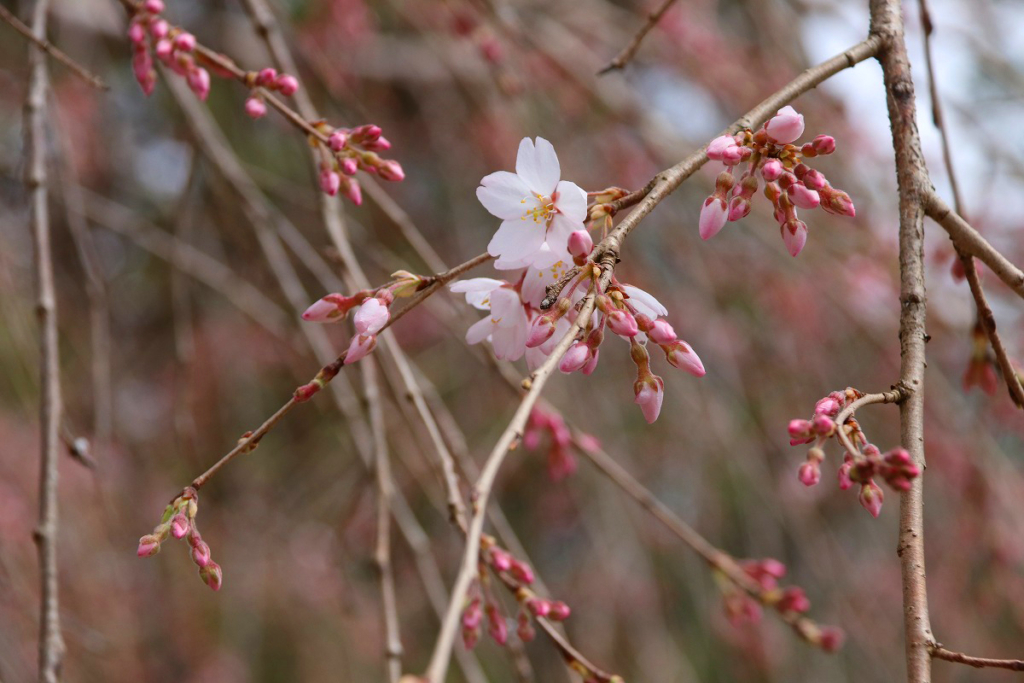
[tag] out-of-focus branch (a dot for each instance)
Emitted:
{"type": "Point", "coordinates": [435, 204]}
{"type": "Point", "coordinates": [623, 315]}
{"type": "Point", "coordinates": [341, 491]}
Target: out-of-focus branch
{"type": "Point", "coordinates": [629, 51]}
{"type": "Point", "coordinates": [985, 315]}
{"type": "Point", "coordinates": [939, 652]}
{"type": "Point", "coordinates": [971, 242]}
{"type": "Point", "coordinates": [914, 187]}
{"type": "Point", "coordinates": [51, 49]}
{"type": "Point", "coordinates": [51, 643]}
{"type": "Point", "coordinates": [382, 550]}
{"type": "Point", "coordinates": [328, 372]}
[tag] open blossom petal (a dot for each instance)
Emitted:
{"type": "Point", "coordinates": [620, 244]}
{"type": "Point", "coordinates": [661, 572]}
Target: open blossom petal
{"type": "Point", "coordinates": [502, 194]}
{"type": "Point", "coordinates": [479, 331]}
{"type": "Point", "coordinates": [477, 290]}
{"type": "Point", "coordinates": [505, 304]}
{"type": "Point", "coordinates": [558, 235]}
{"type": "Point", "coordinates": [644, 303]}
{"type": "Point", "coordinates": [537, 164]}
{"type": "Point", "coordinates": [517, 240]}
{"type": "Point", "coordinates": [572, 201]}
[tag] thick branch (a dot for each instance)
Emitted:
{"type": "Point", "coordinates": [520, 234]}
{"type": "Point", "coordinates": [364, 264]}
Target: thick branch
{"type": "Point", "coordinates": [51, 643]}
{"type": "Point", "coordinates": [914, 186]}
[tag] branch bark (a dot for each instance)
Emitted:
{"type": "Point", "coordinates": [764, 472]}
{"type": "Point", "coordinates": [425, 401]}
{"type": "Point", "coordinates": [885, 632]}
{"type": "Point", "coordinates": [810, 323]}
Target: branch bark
{"type": "Point", "coordinates": [51, 643]}
{"type": "Point", "coordinates": [914, 187]}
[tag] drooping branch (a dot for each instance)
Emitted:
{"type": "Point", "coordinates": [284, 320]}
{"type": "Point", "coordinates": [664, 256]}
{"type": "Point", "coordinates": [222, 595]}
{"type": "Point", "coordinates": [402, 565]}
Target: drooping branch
{"type": "Point", "coordinates": [628, 52]}
{"type": "Point", "coordinates": [52, 50]}
{"type": "Point", "coordinates": [914, 186]}
{"type": "Point", "coordinates": [51, 642]}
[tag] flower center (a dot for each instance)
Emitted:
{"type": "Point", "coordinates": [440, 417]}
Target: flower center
{"type": "Point", "coordinates": [543, 209]}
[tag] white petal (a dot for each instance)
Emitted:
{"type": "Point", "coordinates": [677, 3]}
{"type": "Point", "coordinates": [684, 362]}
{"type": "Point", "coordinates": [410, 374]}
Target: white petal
{"type": "Point", "coordinates": [509, 342]}
{"type": "Point", "coordinates": [572, 201]}
{"type": "Point", "coordinates": [502, 194]}
{"type": "Point", "coordinates": [505, 307]}
{"type": "Point", "coordinates": [534, 285]}
{"type": "Point", "coordinates": [538, 166]}
{"type": "Point", "coordinates": [479, 330]}
{"type": "Point", "coordinates": [644, 302]}
{"type": "Point", "coordinates": [516, 240]}
{"type": "Point", "coordinates": [477, 290]}
{"type": "Point", "coordinates": [558, 233]}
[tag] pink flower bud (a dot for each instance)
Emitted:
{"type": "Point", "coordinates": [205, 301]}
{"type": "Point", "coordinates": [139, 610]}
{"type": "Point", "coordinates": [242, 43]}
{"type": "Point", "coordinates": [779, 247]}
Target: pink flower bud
{"type": "Point", "coordinates": [827, 406]}
{"type": "Point", "coordinates": [823, 425]}
{"type": "Point", "coordinates": [287, 85]}
{"type": "Point", "coordinates": [255, 107]}
{"type": "Point", "coordinates": [148, 545]}
{"type": "Point", "coordinates": [800, 429]}
{"type": "Point", "coordinates": [371, 317]}
{"type": "Point", "coordinates": [186, 42]}
{"type": "Point", "coordinates": [472, 615]}
{"type": "Point", "coordinates": [679, 354]}
{"type": "Point", "coordinates": [350, 190]}
{"type": "Point", "coordinates": [163, 49]}
{"type": "Point", "coordinates": [266, 77]}
{"type": "Point", "coordinates": [786, 126]}
{"type": "Point", "coordinates": [845, 481]}
{"type": "Point", "coordinates": [718, 146]}
{"type": "Point", "coordinates": [794, 600]}
{"type": "Point", "coordinates": [837, 202]}
{"type": "Point", "coordinates": [794, 234]}
{"type": "Point", "coordinates": [366, 133]}
{"type": "Point", "coordinates": [391, 170]}
{"type": "Point", "coordinates": [349, 166]}
{"type": "Point", "coordinates": [650, 392]}
{"type": "Point", "coordinates": [322, 311]}
{"type": "Point", "coordinates": [199, 80]}
{"type": "Point", "coordinates": [496, 625]}
{"type": "Point", "coordinates": [712, 217]}
{"type": "Point", "coordinates": [771, 170]}
{"type": "Point", "coordinates": [830, 638]}
{"type": "Point", "coordinates": [142, 65]}
{"type": "Point", "coordinates": [136, 33]}
{"type": "Point", "coordinates": [361, 346]}
{"type": "Point", "coordinates": [591, 365]}
{"type": "Point", "coordinates": [381, 144]}
{"type": "Point", "coordinates": [824, 144]}
{"type": "Point", "coordinates": [539, 607]}
{"type": "Point", "coordinates": [802, 197]}
{"type": "Point", "coordinates": [153, 6]}
{"type": "Point", "coordinates": [575, 358]}
{"type": "Point", "coordinates": [159, 29]}
{"type": "Point", "coordinates": [739, 207]}
{"type": "Point", "coordinates": [500, 560]}
{"type": "Point", "coordinates": [541, 329]}
{"type": "Point", "coordinates": [559, 611]}
{"type": "Point", "coordinates": [330, 181]}
{"type": "Point", "coordinates": [814, 180]}
{"type": "Point", "coordinates": [179, 525]}
{"type": "Point", "coordinates": [734, 155]}
{"type": "Point", "coordinates": [871, 498]}
{"type": "Point", "coordinates": [201, 554]}
{"type": "Point", "coordinates": [661, 332]}
{"type": "Point", "coordinates": [522, 572]}
{"type": "Point", "coordinates": [337, 141]}
{"type": "Point", "coordinates": [525, 628]}
{"type": "Point", "coordinates": [580, 244]}
{"type": "Point", "coordinates": [211, 574]}
{"type": "Point", "coordinates": [809, 474]}
{"type": "Point", "coordinates": [622, 323]}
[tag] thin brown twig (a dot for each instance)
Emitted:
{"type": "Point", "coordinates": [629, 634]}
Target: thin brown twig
{"type": "Point", "coordinates": [939, 652]}
{"type": "Point", "coordinates": [971, 242]}
{"type": "Point", "coordinates": [51, 642]}
{"type": "Point", "coordinates": [896, 395]}
{"type": "Point", "coordinates": [628, 52]}
{"type": "Point", "coordinates": [328, 372]}
{"type": "Point", "coordinates": [986, 318]}
{"type": "Point", "coordinates": [914, 186]}
{"type": "Point", "coordinates": [382, 549]}
{"type": "Point", "coordinates": [52, 50]}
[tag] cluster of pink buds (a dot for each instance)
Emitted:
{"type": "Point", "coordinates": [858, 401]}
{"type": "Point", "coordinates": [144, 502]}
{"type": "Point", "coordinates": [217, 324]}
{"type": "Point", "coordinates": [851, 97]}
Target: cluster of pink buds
{"type": "Point", "coordinates": [789, 602]}
{"type": "Point", "coordinates": [179, 521]}
{"type": "Point", "coordinates": [350, 150]}
{"type": "Point", "coordinates": [480, 602]}
{"type": "Point", "coordinates": [172, 46]}
{"type": "Point", "coordinates": [632, 314]}
{"type": "Point", "coordinates": [861, 464]}
{"type": "Point", "coordinates": [561, 462]}
{"type": "Point", "coordinates": [267, 80]}
{"type": "Point", "coordinates": [981, 370]}
{"type": "Point", "coordinates": [789, 182]}
{"type": "Point", "coordinates": [372, 313]}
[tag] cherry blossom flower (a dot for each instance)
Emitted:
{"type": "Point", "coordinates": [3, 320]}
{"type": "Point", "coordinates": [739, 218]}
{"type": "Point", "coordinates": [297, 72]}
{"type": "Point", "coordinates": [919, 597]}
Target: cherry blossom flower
{"type": "Point", "coordinates": [536, 207]}
{"type": "Point", "coordinates": [506, 326]}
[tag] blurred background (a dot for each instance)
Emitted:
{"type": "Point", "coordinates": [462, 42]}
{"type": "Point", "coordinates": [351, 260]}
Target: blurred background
{"type": "Point", "coordinates": [179, 331]}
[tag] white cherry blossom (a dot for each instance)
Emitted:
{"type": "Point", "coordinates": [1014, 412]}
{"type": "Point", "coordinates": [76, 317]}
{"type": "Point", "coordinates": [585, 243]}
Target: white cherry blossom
{"type": "Point", "coordinates": [536, 207]}
{"type": "Point", "coordinates": [506, 325]}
